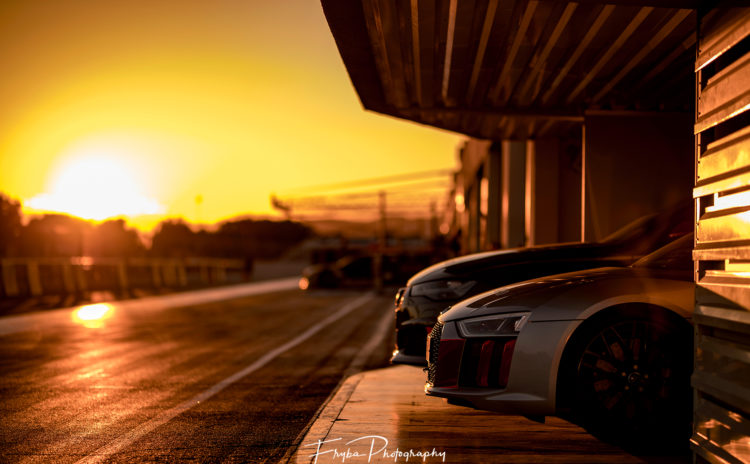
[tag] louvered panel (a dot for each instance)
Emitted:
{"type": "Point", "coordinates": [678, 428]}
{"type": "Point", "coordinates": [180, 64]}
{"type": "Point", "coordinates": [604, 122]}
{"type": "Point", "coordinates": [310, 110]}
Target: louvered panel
{"type": "Point", "coordinates": [722, 366]}
{"type": "Point", "coordinates": [721, 430]}
{"type": "Point", "coordinates": [722, 369]}
{"type": "Point", "coordinates": [730, 286]}
{"type": "Point", "coordinates": [738, 181]}
{"type": "Point", "coordinates": [729, 156]}
{"type": "Point", "coordinates": [724, 226]}
{"type": "Point", "coordinates": [737, 252]}
{"type": "Point", "coordinates": [725, 95]}
{"type": "Point", "coordinates": [728, 29]}
{"type": "Point", "coordinates": [724, 443]}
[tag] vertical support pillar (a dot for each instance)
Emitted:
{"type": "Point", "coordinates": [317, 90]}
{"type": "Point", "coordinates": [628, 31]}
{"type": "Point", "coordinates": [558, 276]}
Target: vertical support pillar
{"type": "Point", "coordinates": [69, 283]}
{"type": "Point", "coordinates": [80, 278]}
{"type": "Point", "coordinates": [513, 194]}
{"type": "Point", "coordinates": [494, 200]}
{"type": "Point", "coordinates": [35, 283]}
{"type": "Point", "coordinates": [169, 273]}
{"type": "Point", "coordinates": [205, 274]}
{"type": "Point", "coordinates": [382, 243]}
{"type": "Point", "coordinates": [122, 276]}
{"type": "Point", "coordinates": [221, 274]}
{"type": "Point", "coordinates": [156, 274]}
{"type": "Point", "coordinates": [530, 194]}
{"type": "Point", "coordinates": [182, 274]}
{"type": "Point", "coordinates": [584, 215]}
{"type": "Point", "coordinates": [10, 282]}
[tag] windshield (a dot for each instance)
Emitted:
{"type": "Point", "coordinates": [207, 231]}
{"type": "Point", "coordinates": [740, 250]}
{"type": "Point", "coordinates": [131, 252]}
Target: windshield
{"type": "Point", "coordinates": [657, 229]}
{"type": "Point", "coordinates": [632, 229]}
{"type": "Point", "coordinates": [678, 255]}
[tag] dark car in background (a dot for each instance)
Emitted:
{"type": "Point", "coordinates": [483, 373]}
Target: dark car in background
{"type": "Point", "coordinates": [434, 289]}
{"type": "Point", "coordinates": [358, 270]}
{"type": "Point", "coordinates": [609, 348]}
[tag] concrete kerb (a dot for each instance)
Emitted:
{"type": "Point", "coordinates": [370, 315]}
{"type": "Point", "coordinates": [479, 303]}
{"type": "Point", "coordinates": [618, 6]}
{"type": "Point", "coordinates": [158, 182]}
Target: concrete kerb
{"type": "Point", "coordinates": [322, 422]}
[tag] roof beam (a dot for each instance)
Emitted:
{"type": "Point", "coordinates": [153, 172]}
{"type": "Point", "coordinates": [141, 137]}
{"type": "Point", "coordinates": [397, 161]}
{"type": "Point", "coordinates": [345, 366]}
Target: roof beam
{"type": "Point", "coordinates": [346, 20]}
{"type": "Point", "coordinates": [556, 115]}
{"type": "Point", "coordinates": [489, 19]}
{"type": "Point", "coordinates": [544, 128]}
{"type": "Point", "coordinates": [675, 21]}
{"type": "Point", "coordinates": [449, 49]}
{"type": "Point", "coordinates": [551, 42]}
{"type": "Point", "coordinates": [378, 43]}
{"type": "Point", "coordinates": [416, 50]}
{"type": "Point", "coordinates": [619, 42]}
{"type": "Point", "coordinates": [682, 4]}
{"type": "Point", "coordinates": [517, 40]}
{"type": "Point", "coordinates": [686, 44]}
{"type": "Point", "coordinates": [582, 46]}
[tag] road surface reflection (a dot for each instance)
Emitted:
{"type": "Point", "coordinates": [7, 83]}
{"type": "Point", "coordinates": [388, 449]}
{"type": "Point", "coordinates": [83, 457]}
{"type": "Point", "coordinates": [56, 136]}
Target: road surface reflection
{"type": "Point", "coordinates": [94, 315]}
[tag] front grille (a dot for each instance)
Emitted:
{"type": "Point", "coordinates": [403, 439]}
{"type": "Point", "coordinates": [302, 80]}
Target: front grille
{"type": "Point", "coordinates": [482, 364]}
{"type": "Point", "coordinates": [434, 338]}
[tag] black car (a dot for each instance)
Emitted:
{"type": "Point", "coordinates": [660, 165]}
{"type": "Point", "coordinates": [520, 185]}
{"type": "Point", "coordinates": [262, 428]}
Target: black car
{"type": "Point", "coordinates": [434, 289]}
{"type": "Point", "coordinates": [358, 271]}
{"type": "Point", "coordinates": [355, 269]}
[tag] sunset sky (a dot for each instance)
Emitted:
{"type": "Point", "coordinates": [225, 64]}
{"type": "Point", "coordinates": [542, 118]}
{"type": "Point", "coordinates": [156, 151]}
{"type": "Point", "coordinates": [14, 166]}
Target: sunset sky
{"type": "Point", "coordinates": [135, 107]}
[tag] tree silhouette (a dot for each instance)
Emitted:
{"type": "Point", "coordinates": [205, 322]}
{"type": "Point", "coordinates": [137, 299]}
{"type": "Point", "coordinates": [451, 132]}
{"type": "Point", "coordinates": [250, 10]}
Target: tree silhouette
{"type": "Point", "coordinates": [112, 238]}
{"type": "Point", "coordinates": [174, 238]}
{"type": "Point", "coordinates": [58, 235]}
{"type": "Point", "coordinates": [259, 239]}
{"type": "Point", "coordinates": [10, 224]}
{"type": "Point", "coordinates": [55, 235]}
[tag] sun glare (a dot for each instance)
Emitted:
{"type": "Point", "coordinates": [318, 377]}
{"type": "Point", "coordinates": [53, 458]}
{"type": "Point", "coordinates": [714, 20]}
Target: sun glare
{"type": "Point", "coordinates": [93, 315]}
{"type": "Point", "coordinates": [96, 187]}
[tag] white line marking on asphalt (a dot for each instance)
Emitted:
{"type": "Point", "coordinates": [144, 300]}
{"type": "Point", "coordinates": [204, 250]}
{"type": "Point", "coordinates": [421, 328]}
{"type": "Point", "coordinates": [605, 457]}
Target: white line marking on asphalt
{"type": "Point", "coordinates": [54, 317]}
{"type": "Point", "coordinates": [149, 426]}
{"type": "Point", "coordinates": [355, 366]}
{"type": "Point", "coordinates": [359, 361]}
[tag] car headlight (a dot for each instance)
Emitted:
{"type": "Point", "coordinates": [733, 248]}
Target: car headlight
{"type": "Point", "coordinates": [493, 326]}
{"type": "Point", "coordinates": [442, 290]}
{"type": "Point", "coordinates": [399, 296]}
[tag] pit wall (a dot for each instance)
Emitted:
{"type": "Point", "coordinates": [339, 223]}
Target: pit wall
{"type": "Point", "coordinates": [29, 277]}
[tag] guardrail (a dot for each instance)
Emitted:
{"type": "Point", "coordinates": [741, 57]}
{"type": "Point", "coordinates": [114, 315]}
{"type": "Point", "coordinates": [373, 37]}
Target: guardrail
{"type": "Point", "coordinates": [48, 276]}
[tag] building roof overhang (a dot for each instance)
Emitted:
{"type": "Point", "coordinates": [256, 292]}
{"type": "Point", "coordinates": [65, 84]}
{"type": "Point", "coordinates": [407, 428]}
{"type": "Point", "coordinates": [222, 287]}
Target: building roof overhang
{"type": "Point", "coordinates": [502, 69]}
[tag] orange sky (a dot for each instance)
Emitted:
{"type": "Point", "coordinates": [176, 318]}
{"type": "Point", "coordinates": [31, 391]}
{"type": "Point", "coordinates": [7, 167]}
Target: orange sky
{"type": "Point", "coordinates": [144, 105]}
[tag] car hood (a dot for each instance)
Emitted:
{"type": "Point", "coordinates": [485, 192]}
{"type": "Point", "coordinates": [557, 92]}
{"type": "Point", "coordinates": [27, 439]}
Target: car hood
{"type": "Point", "coordinates": [576, 295]}
{"type": "Point", "coordinates": [466, 266]}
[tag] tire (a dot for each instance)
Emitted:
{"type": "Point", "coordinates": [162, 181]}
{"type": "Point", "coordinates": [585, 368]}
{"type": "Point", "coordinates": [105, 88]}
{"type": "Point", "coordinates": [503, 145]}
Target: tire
{"type": "Point", "coordinates": [631, 381]}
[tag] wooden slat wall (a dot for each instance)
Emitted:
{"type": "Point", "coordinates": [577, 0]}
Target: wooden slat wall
{"type": "Point", "coordinates": [721, 431]}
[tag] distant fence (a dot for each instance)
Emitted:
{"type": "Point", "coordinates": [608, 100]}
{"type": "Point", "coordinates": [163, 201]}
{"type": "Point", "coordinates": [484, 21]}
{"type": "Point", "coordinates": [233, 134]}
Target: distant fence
{"type": "Point", "coordinates": [49, 276]}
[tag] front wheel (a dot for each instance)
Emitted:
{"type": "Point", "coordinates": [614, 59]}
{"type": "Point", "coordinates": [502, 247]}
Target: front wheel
{"type": "Point", "coordinates": [632, 381]}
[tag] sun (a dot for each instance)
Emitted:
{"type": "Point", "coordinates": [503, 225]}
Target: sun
{"type": "Point", "coordinates": [96, 187]}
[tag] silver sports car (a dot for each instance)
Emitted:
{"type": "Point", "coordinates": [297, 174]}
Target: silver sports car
{"type": "Point", "coordinates": [610, 348]}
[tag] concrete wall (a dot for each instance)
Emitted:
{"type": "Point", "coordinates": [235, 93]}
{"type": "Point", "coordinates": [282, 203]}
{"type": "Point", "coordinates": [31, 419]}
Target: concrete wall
{"type": "Point", "coordinates": [634, 164]}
